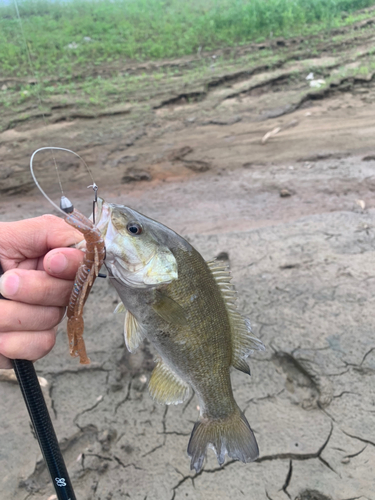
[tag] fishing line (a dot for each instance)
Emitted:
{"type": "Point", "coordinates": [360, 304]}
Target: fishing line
{"type": "Point", "coordinates": [32, 69]}
{"type": "Point", "coordinates": [52, 148]}
{"type": "Point", "coordinates": [60, 209]}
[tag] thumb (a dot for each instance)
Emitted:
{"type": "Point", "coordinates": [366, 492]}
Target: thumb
{"type": "Point", "coordinates": [63, 262]}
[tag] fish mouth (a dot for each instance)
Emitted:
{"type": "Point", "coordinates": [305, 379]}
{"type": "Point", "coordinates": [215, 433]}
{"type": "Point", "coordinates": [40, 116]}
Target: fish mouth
{"type": "Point", "coordinates": [124, 263]}
{"type": "Point", "coordinates": [132, 268]}
{"type": "Point", "coordinates": [103, 212]}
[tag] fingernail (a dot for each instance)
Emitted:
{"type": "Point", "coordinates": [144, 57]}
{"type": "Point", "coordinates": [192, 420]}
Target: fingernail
{"type": "Point", "coordinates": [9, 284]}
{"type": "Point", "coordinates": [57, 263]}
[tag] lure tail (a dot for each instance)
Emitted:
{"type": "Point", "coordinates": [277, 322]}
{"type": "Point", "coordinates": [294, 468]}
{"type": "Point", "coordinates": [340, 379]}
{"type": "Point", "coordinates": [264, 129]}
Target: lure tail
{"type": "Point", "coordinates": [231, 435]}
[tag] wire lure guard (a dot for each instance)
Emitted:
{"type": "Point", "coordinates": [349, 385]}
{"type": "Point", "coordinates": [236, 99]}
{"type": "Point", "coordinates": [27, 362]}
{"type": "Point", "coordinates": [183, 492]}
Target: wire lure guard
{"type": "Point", "coordinates": [66, 206]}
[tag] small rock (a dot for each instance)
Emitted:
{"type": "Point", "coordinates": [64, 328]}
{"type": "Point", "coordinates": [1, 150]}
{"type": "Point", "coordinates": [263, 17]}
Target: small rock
{"type": "Point", "coordinates": [361, 204]}
{"type": "Point", "coordinates": [284, 193]}
{"type": "Point", "coordinates": [345, 460]}
{"type": "Point", "coordinates": [317, 83]}
{"type": "Point", "coordinates": [316, 157]}
{"type": "Point", "coordinates": [197, 165]}
{"type": "Point", "coordinates": [270, 134]}
{"type": "Point", "coordinates": [106, 438]}
{"type": "Point", "coordinates": [139, 384]}
{"type": "Point", "coordinates": [368, 158]}
{"type": "Point", "coordinates": [228, 121]}
{"type": "Point", "coordinates": [4, 87]}
{"type": "Point", "coordinates": [127, 448]}
{"type": "Point", "coordinates": [8, 376]}
{"type": "Point", "coordinates": [116, 387]}
{"type": "Point", "coordinates": [222, 256]}
{"type": "Point", "coordinates": [180, 153]}
{"type": "Point", "coordinates": [103, 467]}
{"type": "Point", "coordinates": [291, 124]}
{"type": "Point", "coordinates": [312, 495]}
{"type": "Point", "coordinates": [136, 175]}
{"type": "Point", "coordinates": [125, 159]}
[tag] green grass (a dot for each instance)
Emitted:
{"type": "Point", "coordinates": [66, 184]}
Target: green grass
{"type": "Point", "coordinates": [150, 29]}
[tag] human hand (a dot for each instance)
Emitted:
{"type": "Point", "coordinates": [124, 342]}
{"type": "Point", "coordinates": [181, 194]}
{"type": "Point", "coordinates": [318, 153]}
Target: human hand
{"type": "Point", "coordinates": [38, 278]}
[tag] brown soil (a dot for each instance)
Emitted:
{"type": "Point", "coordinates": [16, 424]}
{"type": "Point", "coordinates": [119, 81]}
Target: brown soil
{"type": "Point", "coordinates": [248, 160]}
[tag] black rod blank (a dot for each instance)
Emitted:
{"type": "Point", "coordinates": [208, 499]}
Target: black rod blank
{"type": "Point", "coordinates": [41, 420]}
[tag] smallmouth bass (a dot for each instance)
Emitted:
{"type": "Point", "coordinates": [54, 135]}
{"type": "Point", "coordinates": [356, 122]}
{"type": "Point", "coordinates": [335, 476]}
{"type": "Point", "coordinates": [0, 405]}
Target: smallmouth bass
{"type": "Point", "coordinates": [186, 308]}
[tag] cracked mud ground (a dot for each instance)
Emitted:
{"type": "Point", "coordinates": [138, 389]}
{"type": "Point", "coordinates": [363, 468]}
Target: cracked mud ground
{"type": "Point", "coordinates": [295, 216]}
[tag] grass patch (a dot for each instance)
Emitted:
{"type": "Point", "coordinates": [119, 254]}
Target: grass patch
{"type": "Point", "coordinates": [64, 37]}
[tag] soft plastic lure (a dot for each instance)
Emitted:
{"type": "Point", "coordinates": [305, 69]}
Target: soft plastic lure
{"type": "Point", "coordinates": [92, 262]}
{"type": "Point", "coordinates": [85, 277]}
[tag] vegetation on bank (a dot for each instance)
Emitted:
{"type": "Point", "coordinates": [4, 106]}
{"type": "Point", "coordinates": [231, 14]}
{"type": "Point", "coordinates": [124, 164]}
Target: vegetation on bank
{"type": "Point", "coordinates": [64, 37]}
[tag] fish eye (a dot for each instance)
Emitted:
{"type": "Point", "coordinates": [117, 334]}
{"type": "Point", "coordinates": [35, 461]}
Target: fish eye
{"type": "Point", "coordinates": [134, 228]}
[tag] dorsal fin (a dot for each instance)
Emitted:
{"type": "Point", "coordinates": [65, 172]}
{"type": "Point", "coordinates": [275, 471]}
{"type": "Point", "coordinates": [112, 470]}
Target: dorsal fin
{"type": "Point", "coordinates": [133, 332]}
{"type": "Point", "coordinates": [243, 343]}
{"type": "Point", "coordinates": [165, 386]}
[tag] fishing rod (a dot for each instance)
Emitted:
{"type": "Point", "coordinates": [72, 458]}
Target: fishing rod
{"type": "Point", "coordinates": [43, 427]}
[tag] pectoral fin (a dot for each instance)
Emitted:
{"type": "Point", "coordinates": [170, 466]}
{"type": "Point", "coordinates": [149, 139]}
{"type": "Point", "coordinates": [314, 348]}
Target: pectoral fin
{"type": "Point", "coordinates": [133, 332]}
{"type": "Point", "coordinates": [120, 308]}
{"type": "Point", "coordinates": [166, 387]}
{"type": "Point", "coordinates": [169, 310]}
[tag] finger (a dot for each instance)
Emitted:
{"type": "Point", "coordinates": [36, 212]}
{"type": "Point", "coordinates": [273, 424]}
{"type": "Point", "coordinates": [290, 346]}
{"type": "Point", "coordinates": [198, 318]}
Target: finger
{"type": "Point", "coordinates": [27, 345]}
{"type": "Point", "coordinates": [63, 262]}
{"type": "Point", "coordinates": [28, 264]}
{"type": "Point", "coordinates": [32, 238]}
{"type": "Point", "coordinates": [5, 363]}
{"type": "Point", "coordinates": [25, 317]}
{"type": "Point", "coordinates": [35, 287]}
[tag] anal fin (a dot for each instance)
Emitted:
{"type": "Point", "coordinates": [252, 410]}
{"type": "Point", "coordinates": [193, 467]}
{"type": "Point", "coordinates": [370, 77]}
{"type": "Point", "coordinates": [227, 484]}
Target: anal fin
{"type": "Point", "coordinates": [166, 387]}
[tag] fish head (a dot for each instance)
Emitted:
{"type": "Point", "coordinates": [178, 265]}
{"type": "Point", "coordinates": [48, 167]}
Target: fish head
{"type": "Point", "coordinates": [137, 250]}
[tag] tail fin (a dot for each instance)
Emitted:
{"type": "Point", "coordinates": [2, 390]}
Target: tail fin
{"type": "Point", "coordinates": [231, 435]}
